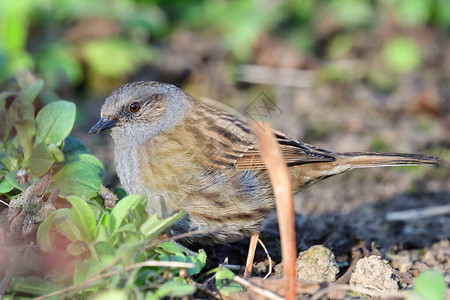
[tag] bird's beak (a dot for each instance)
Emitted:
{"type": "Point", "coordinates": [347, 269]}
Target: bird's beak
{"type": "Point", "coordinates": [103, 124]}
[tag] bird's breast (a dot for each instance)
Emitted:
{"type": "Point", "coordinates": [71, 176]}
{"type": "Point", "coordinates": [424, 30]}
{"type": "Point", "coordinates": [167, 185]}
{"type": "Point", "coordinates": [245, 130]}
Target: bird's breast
{"type": "Point", "coordinates": [167, 170]}
{"type": "Point", "coordinates": [127, 162]}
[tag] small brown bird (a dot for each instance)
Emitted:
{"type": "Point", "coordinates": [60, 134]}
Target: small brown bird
{"type": "Point", "coordinates": [186, 155]}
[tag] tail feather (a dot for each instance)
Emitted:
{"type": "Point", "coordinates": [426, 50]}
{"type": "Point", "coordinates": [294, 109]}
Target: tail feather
{"type": "Point", "coordinates": [374, 159]}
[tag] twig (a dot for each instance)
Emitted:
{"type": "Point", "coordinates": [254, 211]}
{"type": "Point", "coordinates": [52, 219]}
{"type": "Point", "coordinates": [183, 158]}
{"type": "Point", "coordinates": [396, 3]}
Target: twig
{"type": "Point", "coordinates": [346, 277]}
{"type": "Point", "coordinates": [268, 257]}
{"type": "Point", "coordinates": [150, 263]}
{"type": "Point", "coordinates": [282, 189]}
{"type": "Point", "coordinates": [251, 255]}
{"type": "Point", "coordinates": [232, 267]}
{"type": "Point", "coordinates": [418, 213]}
{"type": "Point", "coordinates": [203, 288]}
{"type": "Point", "coordinates": [359, 289]}
{"type": "Point", "coordinates": [257, 289]}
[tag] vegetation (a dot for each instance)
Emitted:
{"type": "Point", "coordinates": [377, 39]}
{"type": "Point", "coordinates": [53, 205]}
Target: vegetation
{"type": "Point", "coordinates": [85, 247]}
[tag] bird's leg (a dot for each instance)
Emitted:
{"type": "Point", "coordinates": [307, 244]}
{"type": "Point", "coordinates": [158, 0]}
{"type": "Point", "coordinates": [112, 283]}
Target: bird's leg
{"type": "Point", "coordinates": [251, 255]}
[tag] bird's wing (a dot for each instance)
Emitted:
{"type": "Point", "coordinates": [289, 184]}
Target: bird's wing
{"type": "Point", "coordinates": [295, 152]}
{"type": "Point", "coordinates": [231, 142]}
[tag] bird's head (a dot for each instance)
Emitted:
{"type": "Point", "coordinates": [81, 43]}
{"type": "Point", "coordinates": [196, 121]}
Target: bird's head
{"type": "Point", "coordinates": [142, 110]}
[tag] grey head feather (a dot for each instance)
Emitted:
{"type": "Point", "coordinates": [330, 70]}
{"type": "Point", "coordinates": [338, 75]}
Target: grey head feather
{"type": "Point", "coordinates": [176, 106]}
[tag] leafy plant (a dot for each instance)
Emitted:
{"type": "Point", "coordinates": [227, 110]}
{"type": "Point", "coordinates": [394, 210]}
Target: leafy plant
{"type": "Point", "coordinates": [102, 241]}
{"type": "Point", "coordinates": [83, 247]}
{"type": "Point", "coordinates": [224, 282]}
{"type": "Point", "coordinates": [32, 146]}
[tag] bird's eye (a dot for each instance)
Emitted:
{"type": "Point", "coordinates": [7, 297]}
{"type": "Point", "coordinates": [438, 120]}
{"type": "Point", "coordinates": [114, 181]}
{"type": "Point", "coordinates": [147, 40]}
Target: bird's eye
{"type": "Point", "coordinates": [135, 107]}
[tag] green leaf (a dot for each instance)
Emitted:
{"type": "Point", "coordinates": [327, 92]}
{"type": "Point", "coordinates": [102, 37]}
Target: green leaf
{"type": "Point", "coordinates": [401, 55]}
{"type": "Point", "coordinates": [54, 122]}
{"type": "Point", "coordinates": [9, 157]}
{"type": "Point", "coordinates": [352, 13]}
{"type": "Point", "coordinates": [66, 226]}
{"type": "Point", "coordinates": [30, 93]}
{"type": "Point", "coordinates": [59, 64]}
{"type": "Point", "coordinates": [150, 296]}
{"type": "Point", "coordinates": [83, 217]}
{"type": "Point", "coordinates": [44, 234]}
{"type": "Point", "coordinates": [14, 24]}
{"type": "Point", "coordinates": [104, 248]}
{"type": "Point", "coordinates": [80, 175]}
{"type": "Point", "coordinates": [5, 186]}
{"type": "Point", "coordinates": [199, 261]}
{"type": "Point", "coordinates": [97, 209]}
{"type": "Point", "coordinates": [32, 285]}
{"type": "Point", "coordinates": [41, 160]}
{"type": "Point", "coordinates": [102, 234]}
{"type": "Point", "coordinates": [140, 216]}
{"type": "Point", "coordinates": [174, 289]}
{"type": "Point", "coordinates": [21, 114]}
{"type": "Point", "coordinates": [171, 251]}
{"type": "Point", "coordinates": [11, 178]}
{"type": "Point", "coordinates": [442, 13]}
{"type": "Point", "coordinates": [21, 117]}
{"type": "Point", "coordinates": [104, 221]}
{"type": "Point", "coordinates": [154, 226]}
{"type": "Point", "coordinates": [114, 57]}
{"type": "Point", "coordinates": [413, 12]}
{"type": "Point", "coordinates": [171, 247]}
{"type": "Point", "coordinates": [57, 154]}
{"type": "Point", "coordinates": [77, 248]}
{"type": "Point", "coordinates": [122, 208]}
{"type": "Point", "coordinates": [225, 283]}
{"type": "Point", "coordinates": [73, 146]}
{"type": "Point", "coordinates": [86, 269]}
{"type": "Point", "coordinates": [429, 285]}
{"type": "Point", "coordinates": [120, 193]}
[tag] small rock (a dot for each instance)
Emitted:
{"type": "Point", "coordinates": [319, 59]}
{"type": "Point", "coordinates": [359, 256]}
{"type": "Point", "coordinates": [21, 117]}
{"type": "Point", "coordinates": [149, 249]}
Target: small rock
{"type": "Point", "coordinates": [374, 272]}
{"type": "Point", "coordinates": [402, 262]}
{"type": "Point", "coordinates": [317, 264]}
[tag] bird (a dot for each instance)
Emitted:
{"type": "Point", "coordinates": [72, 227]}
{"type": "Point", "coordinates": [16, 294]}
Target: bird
{"type": "Point", "coordinates": [186, 155]}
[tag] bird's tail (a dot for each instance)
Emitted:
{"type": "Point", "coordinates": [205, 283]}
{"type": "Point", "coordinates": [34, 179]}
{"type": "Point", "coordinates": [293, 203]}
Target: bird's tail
{"type": "Point", "coordinates": [374, 159]}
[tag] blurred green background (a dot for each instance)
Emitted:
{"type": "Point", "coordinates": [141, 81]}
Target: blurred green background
{"type": "Point", "coordinates": [313, 58]}
{"type": "Point", "coordinates": [85, 46]}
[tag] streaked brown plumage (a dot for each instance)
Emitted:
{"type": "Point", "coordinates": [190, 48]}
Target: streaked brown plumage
{"type": "Point", "coordinates": [186, 155]}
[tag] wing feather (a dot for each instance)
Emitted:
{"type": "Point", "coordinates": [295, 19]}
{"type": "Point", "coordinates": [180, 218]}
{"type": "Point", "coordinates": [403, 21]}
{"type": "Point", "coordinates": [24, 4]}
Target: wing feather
{"type": "Point", "coordinates": [231, 142]}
